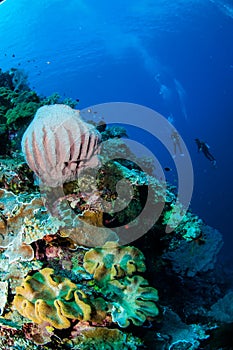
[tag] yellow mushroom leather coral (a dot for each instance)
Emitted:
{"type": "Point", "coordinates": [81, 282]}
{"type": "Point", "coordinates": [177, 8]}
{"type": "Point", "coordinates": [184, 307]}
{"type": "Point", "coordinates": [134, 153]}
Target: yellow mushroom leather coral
{"type": "Point", "coordinates": [113, 261]}
{"type": "Point", "coordinates": [44, 297]}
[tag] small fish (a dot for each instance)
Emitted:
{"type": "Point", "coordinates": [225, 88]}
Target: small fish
{"type": "Point", "coordinates": [167, 169]}
{"type": "Point", "coordinates": [13, 55]}
{"type": "Point", "coordinates": [2, 1]}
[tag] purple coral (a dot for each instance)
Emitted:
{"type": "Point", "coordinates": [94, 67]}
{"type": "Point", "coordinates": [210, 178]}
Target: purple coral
{"type": "Point", "coordinates": [58, 144]}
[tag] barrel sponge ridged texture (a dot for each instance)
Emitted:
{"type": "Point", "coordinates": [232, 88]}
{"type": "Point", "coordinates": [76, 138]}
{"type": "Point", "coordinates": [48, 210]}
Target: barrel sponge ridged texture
{"type": "Point", "coordinates": [58, 144]}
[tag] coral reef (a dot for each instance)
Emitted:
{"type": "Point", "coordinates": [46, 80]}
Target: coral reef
{"type": "Point", "coordinates": [113, 132]}
{"type": "Point", "coordinates": [98, 338]}
{"type": "Point", "coordinates": [222, 310]}
{"type": "Point", "coordinates": [23, 222]}
{"type": "Point", "coordinates": [188, 225]}
{"type": "Point", "coordinates": [68, 277]}
{"type": "Point", "coordinates": [181, 335]}
{"type": "Point", "coordinates": [21, 110]}
{"type": "Point", "coordinates": [14, 272]}
{"type": "Point", "coordinates": [15, 175]}
{"type": "Point", "coordinates": [189, 258]}
{"type": "Point", "coordinates": [6, 79]}
{"type": "Point", "coordinates": [18, 104]}
{"type": "Point", "coordinates": [19, 79]}
{"type": "Point", "coordinates": [3, 295]}
{"type": "Point", "coordinates": [17, 108]}
{"type": "Point", "coordinates": [46, 297]}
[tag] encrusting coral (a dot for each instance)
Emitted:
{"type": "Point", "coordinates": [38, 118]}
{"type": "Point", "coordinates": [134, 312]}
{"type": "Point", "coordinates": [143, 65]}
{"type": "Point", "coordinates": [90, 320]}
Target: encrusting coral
{"type": "Point", "coordinates": [13, 215]}
{"type": "Point", "coordinates": [14, 273]}
{"type": "Point", "coordinates": [99, 338]}
{"type": "Point", "coordinates": [189, 258]}
{"type": "Point", "coordinates": [15, 175]}
{"type": "Point", "coordinates": [188, 225]}
{"type": "Point", "coordinates": [23, 221]}
{"type": "Point", "coordinates": [3, 295]}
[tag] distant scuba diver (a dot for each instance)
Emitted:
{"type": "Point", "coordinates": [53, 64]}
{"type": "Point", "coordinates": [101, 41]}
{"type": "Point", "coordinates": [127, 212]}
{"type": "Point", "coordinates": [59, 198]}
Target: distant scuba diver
{"type": "Point", "coordinates": [202, 146]}
{"type": "Point", "coordinates": [176, 142]}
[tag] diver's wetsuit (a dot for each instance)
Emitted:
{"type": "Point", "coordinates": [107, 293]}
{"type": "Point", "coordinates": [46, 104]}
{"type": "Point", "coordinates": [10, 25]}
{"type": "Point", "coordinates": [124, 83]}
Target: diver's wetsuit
{"type": "Point", "coordinates": [202, 146]}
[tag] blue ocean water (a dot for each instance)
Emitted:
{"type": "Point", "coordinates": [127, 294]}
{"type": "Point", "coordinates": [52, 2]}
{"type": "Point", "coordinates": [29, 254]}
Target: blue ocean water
{"type": "Point", "coordinates": [175, 57]}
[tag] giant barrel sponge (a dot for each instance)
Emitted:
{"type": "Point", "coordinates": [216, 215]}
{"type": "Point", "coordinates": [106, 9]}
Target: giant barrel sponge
{"type": "Point", "coordinates": [58, 144]}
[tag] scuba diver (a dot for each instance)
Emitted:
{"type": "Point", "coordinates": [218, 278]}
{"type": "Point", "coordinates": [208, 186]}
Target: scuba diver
{"type": "Point", "coordinates": [202, 146]}
{"type": "Point", "coordinates": [176, 143]}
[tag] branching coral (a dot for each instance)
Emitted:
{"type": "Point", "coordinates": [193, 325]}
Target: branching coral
{"type": "Point", "coordinates": [56, 98]}
{"type": "Point", "coordinates": [22, 110]}
{"type": "Point", "coordinates": [18, 105]}
{"type": "Point", "coordinates": [44, 297]}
